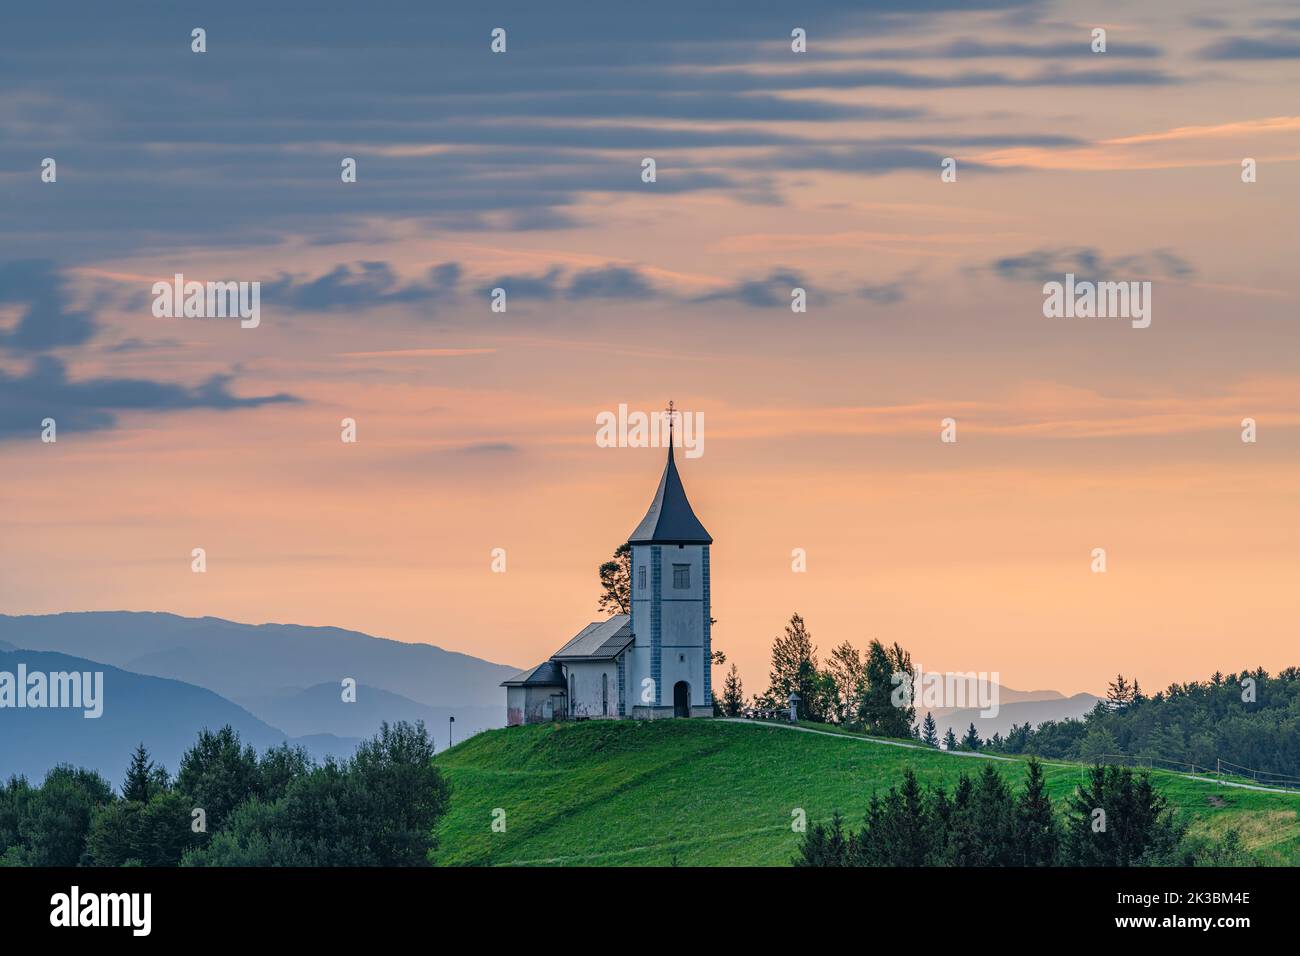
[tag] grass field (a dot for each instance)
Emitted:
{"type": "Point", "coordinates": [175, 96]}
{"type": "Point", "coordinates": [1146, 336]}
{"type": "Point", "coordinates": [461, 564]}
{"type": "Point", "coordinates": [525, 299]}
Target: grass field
{"type": "Point", "coordinates": [712, 793]}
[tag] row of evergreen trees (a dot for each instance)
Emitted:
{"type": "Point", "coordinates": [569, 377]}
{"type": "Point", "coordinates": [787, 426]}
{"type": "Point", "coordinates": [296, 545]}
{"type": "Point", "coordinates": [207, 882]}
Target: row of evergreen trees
{"type": "Point", "coordinates": [228, 807]}
{"type": "Point", "coordinates": [853, 688]}
{"type": "Point", "coordinates": [1251, 719]}
{"type": "Point", "coordinates": [928, 733]}
{"type": "Point", "coordinates": [1115, 819]}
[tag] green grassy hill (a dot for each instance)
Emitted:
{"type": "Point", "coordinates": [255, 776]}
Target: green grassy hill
{"type": "Point", "coordinates": [627, 793]}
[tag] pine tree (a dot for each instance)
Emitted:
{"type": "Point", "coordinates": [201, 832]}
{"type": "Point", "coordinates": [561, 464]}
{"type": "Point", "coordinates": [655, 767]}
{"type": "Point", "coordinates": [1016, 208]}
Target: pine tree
{"type": "Point", "coordinates": [885, 706]}
{"type": "Point", "coordinates": [1118, 693]}
{"type": "Point", "coordinates": [847, 671]}
{"type": "Point", "coordinates": [962, 840]}
{"type": "Point", "coordinates": [733, 694]}
{"type": "Point", "coordinates": [1037, 829]}
{"type": "Point", "coordinates": [971, 741]}
{"type": "Point", "coordinates": [949, 740]}
{"type": "Point", "coordinates": [824, 846]}
{"type": "Point", "coordinates": [912, 827]}
{"type": "Point", "coordinates": [929, 733]}
{"type": "Point", "coordinates": [143, 777]}
{"type": "Point", "coordinates": [992, 821]}
{"type": "Point", "coordinates": [794, 669]}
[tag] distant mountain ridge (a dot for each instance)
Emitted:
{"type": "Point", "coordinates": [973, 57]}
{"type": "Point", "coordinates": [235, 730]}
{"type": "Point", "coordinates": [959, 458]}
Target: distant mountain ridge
{"type": "Point", "coordinates": [248, 661]}
{"type": "Point", "coordinates": [166, 715]}
{"type": "Point", "coordinates": [1033, 712]}
{"type": "Point", "coordinates": [321, 709]}
{"type": "Point", "coordinates": [1014, 706]}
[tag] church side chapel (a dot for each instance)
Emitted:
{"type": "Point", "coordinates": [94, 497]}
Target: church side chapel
{"type": "Point", "coordinates": [652, 663]}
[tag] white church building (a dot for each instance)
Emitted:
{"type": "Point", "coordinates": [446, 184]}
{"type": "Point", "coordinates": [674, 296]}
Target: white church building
{"type": "Point", "coordinates": [651, 663]}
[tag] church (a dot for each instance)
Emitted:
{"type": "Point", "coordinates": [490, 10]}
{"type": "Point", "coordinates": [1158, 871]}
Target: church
{"type": "Point", "coordinates": [651, 663]}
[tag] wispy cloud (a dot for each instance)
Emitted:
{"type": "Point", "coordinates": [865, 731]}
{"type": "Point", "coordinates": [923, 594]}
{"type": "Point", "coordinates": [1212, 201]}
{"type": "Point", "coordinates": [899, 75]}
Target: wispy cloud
{"type": "Point", "coordinates": [1039, 264]}
{"type": "Point", "coordinates": [46, 391]}
{"type": "Point", "coordinates": [47, 324]}
{"type": "Point", "coordinates": [1253, 48]}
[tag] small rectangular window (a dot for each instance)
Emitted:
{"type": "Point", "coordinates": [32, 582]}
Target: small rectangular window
{"type": "Point", "coordinates": [640, 578]}
{"type": "Point", "coordinates": [681, 575]}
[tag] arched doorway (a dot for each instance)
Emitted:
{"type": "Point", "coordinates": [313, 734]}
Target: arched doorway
{"type": "Point", "coordinates": [681, 699]}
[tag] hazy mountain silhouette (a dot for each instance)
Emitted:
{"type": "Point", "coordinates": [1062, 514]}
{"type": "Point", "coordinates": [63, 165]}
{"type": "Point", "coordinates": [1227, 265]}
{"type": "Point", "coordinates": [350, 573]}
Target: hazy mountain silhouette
{"type": "Point", "coordinates": [1032, 712]}
{"type": "Point", "coordinates": [166, 715]}
{"type": "Point", "coordinates": [257, 661]}
{"type": "Point", "coordinates": [321, 709]}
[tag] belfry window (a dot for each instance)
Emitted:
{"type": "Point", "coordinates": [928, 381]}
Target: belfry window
{"type": "Point", "coordinates": [640, 578]}
{"type": "Point", "coordinates": [681, 576]}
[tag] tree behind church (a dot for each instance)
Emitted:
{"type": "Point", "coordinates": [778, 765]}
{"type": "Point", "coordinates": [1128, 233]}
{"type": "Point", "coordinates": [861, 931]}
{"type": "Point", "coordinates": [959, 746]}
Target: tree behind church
{"type": "Point", "coordinates": [733, 694]}
{"type": "Point", "coordinates": [616, 582]}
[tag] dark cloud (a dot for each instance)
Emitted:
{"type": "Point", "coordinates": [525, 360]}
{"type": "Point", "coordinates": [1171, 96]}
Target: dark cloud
{"type": "Point", "coordinates": [372, 284]}
{"type": "Point", "coordinates": [767, 293]}
{"type": "Point", "coordinates": [888, 293]}
{"type": "Point", "coordinates": [45, 391]}
{"type": "Point", "coordinates": [610, 282]}
{"type": "Point", "coordinates": [868, 161]}
{"type": "Point", "coordinates": [545, 286]}
{"type": "Point", "coordinates": [1252, 48]}
{"type": "Point", "coordinates": [1086, 262]}
{"type": "Point", "coordinates": [530, 220]}
{"type": "Point", "coordinates": [361, 285]}
{"type": "Point", "coordinates": [842, 79]}
{"type": "Point", "coordinates": [47, 320]}
{"type": "Point", "coordinates": [158, 146]}
{"type": "Point", "coordinates": [971, 48]}
{"type": "Point", "coordinates": [134, 344]}
{"type": "Point", "coordinates": [967, 48]}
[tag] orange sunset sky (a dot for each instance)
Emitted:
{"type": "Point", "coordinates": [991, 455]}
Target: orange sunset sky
{"type": "Point", "coordinates": [821, 430]}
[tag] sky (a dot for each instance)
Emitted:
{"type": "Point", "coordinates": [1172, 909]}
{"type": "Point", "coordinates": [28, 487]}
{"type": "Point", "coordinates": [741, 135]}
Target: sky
{"type": "Point", "coordinates": [774, 170]}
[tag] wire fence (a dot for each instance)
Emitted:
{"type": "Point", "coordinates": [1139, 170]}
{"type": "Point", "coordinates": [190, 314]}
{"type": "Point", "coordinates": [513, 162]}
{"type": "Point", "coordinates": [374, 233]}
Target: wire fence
{"type": "Point", "coordinates": [1223, 770]}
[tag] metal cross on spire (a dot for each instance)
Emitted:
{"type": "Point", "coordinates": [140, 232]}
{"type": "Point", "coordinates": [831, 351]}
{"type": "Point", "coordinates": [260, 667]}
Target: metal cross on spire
{"type": "Point", "coordinates": [672, 412]}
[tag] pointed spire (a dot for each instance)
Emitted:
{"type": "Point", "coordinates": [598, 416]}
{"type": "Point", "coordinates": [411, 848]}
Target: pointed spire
{"type": "Point", "coordinates": [670, 520]}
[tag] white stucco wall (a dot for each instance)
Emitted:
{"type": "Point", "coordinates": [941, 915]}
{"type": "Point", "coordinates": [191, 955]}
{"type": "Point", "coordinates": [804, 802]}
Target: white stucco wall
{"type": "Point", "coordinates": [530, 705]}
{"type": "Point", "coordinates": [587, 688]}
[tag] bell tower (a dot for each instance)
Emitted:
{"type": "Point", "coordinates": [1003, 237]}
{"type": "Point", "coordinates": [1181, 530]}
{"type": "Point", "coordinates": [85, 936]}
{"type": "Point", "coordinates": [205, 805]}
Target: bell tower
{"type": "Point", "coordinates": [670, 656]}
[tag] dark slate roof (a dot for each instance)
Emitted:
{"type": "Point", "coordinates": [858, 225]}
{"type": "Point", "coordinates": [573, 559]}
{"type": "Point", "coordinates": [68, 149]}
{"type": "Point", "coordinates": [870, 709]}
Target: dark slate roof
{"type": "Point", "coordinates": [598, 641]}
{"type": "Point", "coordinates": [670, 519]}
{"type": "Point", "coordinates": [545, 674]}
